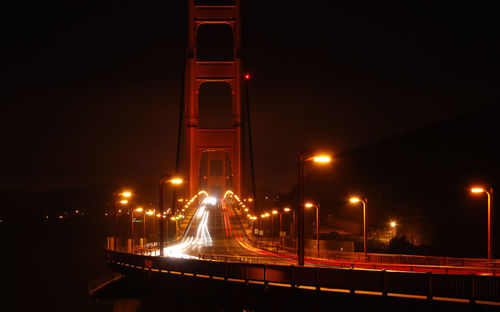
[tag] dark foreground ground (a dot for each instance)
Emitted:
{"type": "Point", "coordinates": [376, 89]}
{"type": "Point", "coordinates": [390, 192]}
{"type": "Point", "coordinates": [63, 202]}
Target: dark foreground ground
{"type": "Point", "coordinates": [47, 266]}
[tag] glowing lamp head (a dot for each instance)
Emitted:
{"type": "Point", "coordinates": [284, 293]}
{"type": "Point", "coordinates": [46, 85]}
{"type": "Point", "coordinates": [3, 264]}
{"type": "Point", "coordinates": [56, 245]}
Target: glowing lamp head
{"type": "Point", "coordinates": [176, 181]}
{"type": "Point", "coordinates": [354, 200]}
{"type": "Point", "coordinates": [262, 215]}
{"type": "Point", "coordinates": [126, 194]}
{"type": "Point", "coordinates": [309, 205]}
{"type": "Point", "coordinates": [139, 209]}
{"type": "Point", "coordinates": [150, 212]}
{"type": "Point", "coordinates": [286, 209]}
{"type": "Point", "coordinates": [247, 76]}
{"type": "Point", "coordinates": [477, 190]}
{"type": "Point", "coordinates": [275, 212]}
{"type": "Point", "coordinates": [123, 201]}
{"type": "Point", "coordinates": [246, 209]}
{"type": "Point", "coordinates": [266, 214]}
{"type": "Point", "coordinates": [322, 159]}
{"type": "Point", "coordinates": [393, 224]}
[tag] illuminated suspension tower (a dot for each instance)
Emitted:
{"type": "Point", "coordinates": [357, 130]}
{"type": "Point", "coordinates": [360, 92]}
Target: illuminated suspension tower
{"type": "Point", "coordinates": [213, 156]}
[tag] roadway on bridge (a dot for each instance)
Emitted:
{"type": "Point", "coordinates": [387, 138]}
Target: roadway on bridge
{"type": "Point", "coordinates": [216, 230]}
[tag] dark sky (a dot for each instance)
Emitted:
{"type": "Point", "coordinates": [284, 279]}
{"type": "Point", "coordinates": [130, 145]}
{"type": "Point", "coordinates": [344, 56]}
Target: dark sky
{"type": "Point", "coordinates": [91, 90]}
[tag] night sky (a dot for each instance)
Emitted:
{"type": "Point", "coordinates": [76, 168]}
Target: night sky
{"type": "Point", "coordinates": [91, 90]}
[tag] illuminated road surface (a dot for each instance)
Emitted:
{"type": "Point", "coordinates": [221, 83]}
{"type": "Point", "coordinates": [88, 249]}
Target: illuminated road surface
{"type": "Point", "coordinates": [216, 230]}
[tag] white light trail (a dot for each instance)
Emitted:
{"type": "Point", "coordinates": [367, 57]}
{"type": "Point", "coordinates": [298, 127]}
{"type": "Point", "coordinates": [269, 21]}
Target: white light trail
{"type": "Point", "coordinates": [200, 211]}
{"type": "Point", "coordinates": [202, 238]}
{"type": "Point", "coordinates": [202, 234]}
{"type": "Point", "coordinates": [209, 201]}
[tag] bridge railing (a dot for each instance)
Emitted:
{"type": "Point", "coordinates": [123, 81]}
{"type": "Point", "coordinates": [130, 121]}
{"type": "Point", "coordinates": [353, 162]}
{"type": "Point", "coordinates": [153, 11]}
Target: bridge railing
{"type": "Point", "coordinates": [492, 266]}
{"type": "Point", "coordinates": [426, 285]}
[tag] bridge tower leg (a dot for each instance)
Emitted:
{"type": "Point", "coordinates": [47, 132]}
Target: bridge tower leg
{"type": "Point", "coordinates": [213, 154]}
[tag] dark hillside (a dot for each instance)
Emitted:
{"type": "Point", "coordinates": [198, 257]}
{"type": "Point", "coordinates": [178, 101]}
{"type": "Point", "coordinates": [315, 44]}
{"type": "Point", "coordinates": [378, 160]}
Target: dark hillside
{"type": "Point", "coordinates": [421, 179]}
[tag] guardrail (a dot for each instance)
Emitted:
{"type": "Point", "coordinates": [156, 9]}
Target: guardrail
{"type": "Point", "coordinates": [466, 288]}
{"type": "Point", "coordinates": [479, 265]}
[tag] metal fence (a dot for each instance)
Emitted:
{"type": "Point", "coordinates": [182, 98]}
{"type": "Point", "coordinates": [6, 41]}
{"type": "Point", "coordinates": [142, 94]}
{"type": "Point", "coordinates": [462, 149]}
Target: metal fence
{"type": "Point", "coordinates": [470, 288]}
{"type": "Point", "coordinates": [381, 260]}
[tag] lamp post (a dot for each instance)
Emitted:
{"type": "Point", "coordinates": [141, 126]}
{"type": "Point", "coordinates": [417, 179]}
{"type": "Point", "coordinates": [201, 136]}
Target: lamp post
{"type": "Point", "coordinates": [138, 209]}
{"type": "Point", "coordinates": [253, 218]}
{"type": "Point", "coordinates": [310, 205]}
{"type": "Point", "coordinates": [153, 225]}
{"type": "Point", "coordinates": [117, 196]}
{"type": "Point", "coordinates": [274, 212]}
{"type": "Point", "coordinates": [147, 213]}
{"type": "Point", "coordinates": [175, 219]}
{"type": "Point", "coordinates": [281, 222]}
{"type": "Point", "coordinates": [288, 209]}
{"type": "Point", "coordinates": [266, 215]}
{"type": "Point", "coordinates": [260, 223]}
{"type": "Point", "coordinates": [393, 225]}
{"type": "Point", "coordinates": [164, 179]}
{"type": "Point", "coordinates": [489, 195]}
{"type": "Point", "coordinates": [357, 200]}
{"type": "Point", "coordinates": [304, 156]}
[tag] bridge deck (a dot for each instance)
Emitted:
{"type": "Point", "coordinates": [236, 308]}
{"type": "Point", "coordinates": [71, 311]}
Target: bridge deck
{"type": "Point", "coordinates": [216, 230]}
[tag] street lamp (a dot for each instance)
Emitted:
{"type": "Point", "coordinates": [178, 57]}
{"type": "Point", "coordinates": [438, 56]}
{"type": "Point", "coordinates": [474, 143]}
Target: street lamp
{"type": "Point", "coordinates": [176, 219]}
{"type": "Point", "coordinates": [147, 213]}
{"type": "Point", "coordinates": [253, 218]}
{"type": "Point", "coordinates": [164, 179]}
{"type": "Point", "coordinates": [310, 205]}
{"type": "Point", "coordinates": [261, 230]}
{"type": "Point", "coordinates": [393, 226]}
{"type": "Point", "coordinates": [117, 196]}
{"type": "Point", "coordinates": [266, 215]}
{"type": "Point", "coordinates": [357, 200]}
{"type": "Point", "coordinates": [262, 224]}
{"type": "Point", "coordinates": [489, 194]}
{"type": "Point", "coordinates": [304, 156]}
{"type": "Point", "coordinates": [138, 209]}
{"type": "Point", "coordinates": [288, 209]}
{"type": "Point", "coordinates": [274, 212]}
{"type": "Point", "coordinates": [175, 181]}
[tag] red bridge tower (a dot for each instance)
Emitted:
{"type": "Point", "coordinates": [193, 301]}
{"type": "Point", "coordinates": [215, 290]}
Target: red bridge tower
{"type": "Point", "coordinates": [213, 153]}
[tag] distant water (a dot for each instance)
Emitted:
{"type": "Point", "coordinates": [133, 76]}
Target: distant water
{"type": "Point", "coordinates": [49, 265]}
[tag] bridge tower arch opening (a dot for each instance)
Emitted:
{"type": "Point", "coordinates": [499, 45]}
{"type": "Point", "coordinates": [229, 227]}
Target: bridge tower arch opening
{"type": "Point", "coordinates": [215, 172]}
{"type": "Point", "coordinates": [215, 131]}
{"type": "Point", "coordinates": [215, 105]}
